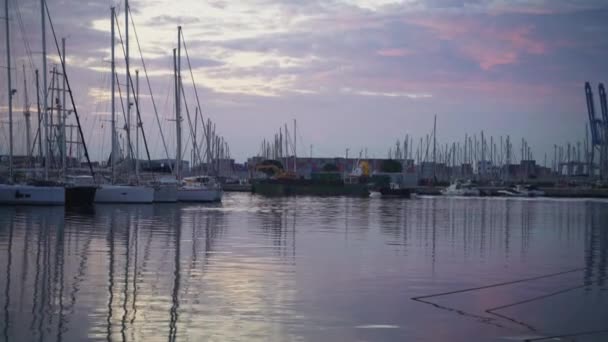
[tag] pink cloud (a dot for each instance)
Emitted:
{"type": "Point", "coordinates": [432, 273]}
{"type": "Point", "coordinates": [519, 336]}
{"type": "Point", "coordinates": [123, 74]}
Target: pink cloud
{"type": "Point", "coordinates": [394, 52]}
{"type": "Point", "coordinates": [520, 38]}
{"type": "Point", "coordinates": [489, 58]}
{"type": "Point", "coordinates": [486, 44]}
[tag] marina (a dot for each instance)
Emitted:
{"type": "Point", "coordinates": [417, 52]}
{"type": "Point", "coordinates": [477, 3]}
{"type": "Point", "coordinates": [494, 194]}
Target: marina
{"type": "Point", "coordinates": [493, 165]}
{"type": "Point", "coordinates": [294, 171]}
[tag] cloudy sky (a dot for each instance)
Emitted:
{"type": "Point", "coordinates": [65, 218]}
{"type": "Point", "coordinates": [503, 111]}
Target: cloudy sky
{"type": "Point", "coordinates": [354, 73]}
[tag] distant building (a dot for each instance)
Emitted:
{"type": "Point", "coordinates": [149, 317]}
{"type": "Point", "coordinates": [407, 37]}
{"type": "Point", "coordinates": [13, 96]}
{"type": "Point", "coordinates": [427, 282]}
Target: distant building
{"type": "Point", "coordinates": [305, 167]}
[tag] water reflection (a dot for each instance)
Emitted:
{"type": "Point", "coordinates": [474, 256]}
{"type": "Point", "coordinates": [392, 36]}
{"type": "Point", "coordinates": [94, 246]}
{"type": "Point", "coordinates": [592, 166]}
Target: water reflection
{"type": "Point", "coordinates": [596, 246]}
{"type": "Point", "coordinates": [176, 281]}
{"type": "Point", "coordinates": [9, 259]}
{"type": "Point", "coordinates": [233, 272]}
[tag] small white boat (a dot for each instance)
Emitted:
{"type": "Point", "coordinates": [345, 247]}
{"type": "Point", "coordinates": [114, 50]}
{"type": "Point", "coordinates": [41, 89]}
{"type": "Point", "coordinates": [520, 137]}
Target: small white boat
{"type": "Point", "coordinates": [461, 189]}
{"type": "Point", "coordinates": [124, 194]}
{"type": "Point", "coordinates": [522, 191]}
{"type": "Point", "coordinates": [18, 194]}
{"type": "Point", "coordinates": [200, 189]}
{"type": "Point", "coordinates": [165, 190]}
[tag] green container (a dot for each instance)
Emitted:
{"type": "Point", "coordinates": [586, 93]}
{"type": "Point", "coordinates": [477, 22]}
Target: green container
{"type": "Point", "coordinates": [326, 176]}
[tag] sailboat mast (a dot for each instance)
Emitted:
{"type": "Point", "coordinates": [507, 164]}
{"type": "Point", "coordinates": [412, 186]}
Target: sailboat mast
{"type": "Point", "coordinates": [295, 148]}
{"type": "Point", "coordinates": [177, 123]}
{"type": "Point", "coordinates": [10, 94]}
{"type": "Point", "coordinates": [434, 148]}
{"type": "Point", "coordinates": [39, 114]}
{"type": "Point", "coordinates": [128, 77]}
{"type": "Point", "coordinates": [286, 154]}
{"type": "Point", "coordinates": [113, 100]}
{"type": "Point", "coordinates": [28, 123]}
{"type": "Point", "coordinates": [196, 151]}
{"type": "Point", "coordinates": [178, 103]}
{"type": "Point", "coordinates": [47, 153]}
{"type": "Point", "coordinates": [63, 114]}
{"type": "Point", "coordinates": [137, 126]}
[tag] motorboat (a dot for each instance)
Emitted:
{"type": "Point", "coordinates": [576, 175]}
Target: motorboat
{"type": "Point", "coordinates": [109, 193]}
{"type": "Point", "coordinates": [21, 194]}
{"type": "Point", "coordinates": [199, 189]}
{"type": "Point", "coordinates": [461, 189]}
{"type": "Point", "coordinates": [522, 190]}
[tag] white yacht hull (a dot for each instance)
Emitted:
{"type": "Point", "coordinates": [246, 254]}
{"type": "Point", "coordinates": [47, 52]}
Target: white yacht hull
{"type": "Point", "coordinates": [124, 194]}
{"type": "Point", "coordinates": [31, 195]}
{"type": "Point", "coordinates": [532, 193]}
{"type": "Point", "coordinates": [165, 193]}
{"type": "Point", "coordinates": [467, 192]}
{"type": "Point", "coordinates": [198, 194]}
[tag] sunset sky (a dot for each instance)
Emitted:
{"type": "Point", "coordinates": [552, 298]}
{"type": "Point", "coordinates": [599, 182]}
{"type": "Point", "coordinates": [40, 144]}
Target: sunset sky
{"type": "Point", "coordinates": [354, 73]}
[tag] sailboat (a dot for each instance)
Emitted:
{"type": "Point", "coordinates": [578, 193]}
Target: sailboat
{"type": "Point", "coordinates": [198, 188]}
{"type": "Point", "coordinates": [113, 193]}
{"type": "Point", "coordinates": [17, 194]}
{"type": "Point", "coordinates": [79, 189]}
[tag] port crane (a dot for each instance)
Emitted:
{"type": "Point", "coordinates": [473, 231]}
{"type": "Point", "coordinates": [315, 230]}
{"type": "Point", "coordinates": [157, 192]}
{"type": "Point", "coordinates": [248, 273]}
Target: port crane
{"type": "Point", "coordinates": [599, 130]}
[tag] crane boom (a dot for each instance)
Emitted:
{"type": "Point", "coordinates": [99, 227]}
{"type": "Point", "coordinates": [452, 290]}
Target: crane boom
{"type": "Point", "coordinates": [595, 137]}
{"type": "Point", "coordinates": [603, 105]}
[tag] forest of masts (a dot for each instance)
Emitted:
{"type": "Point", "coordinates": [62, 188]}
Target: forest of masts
{"type": "Point", "coordinates": [281, 145]}
{"type": "Point", "coordinates": [475, 150]}
{"type": "Point", "coordinates": [55, 133]}
{"type": "Point", "coordinates": [490, 151]}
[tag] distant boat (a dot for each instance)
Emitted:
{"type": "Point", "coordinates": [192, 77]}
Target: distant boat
{"type": "Point", "coordinates": [461, 189]}
{"type": "Point", "coordinates": [199, 189]}
{"type": "Point", "coordinates": [522, 191]}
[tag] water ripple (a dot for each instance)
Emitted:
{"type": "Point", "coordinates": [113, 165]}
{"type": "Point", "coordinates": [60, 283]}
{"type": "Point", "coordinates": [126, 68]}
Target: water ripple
{"type": "Point", "coordinates": [306, 268]}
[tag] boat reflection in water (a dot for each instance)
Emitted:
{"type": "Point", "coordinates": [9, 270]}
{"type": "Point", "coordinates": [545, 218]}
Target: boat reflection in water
{"type": "Point", "coordinates": [255, 268]}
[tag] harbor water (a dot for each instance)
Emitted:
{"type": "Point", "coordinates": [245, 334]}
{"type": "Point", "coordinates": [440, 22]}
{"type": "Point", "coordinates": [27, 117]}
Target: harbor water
{"type": "Point", "coordinates": [307, 269]}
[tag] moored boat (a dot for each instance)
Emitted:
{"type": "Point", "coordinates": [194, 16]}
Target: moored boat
{"type": "Point", "coordinates": [124, 194]}
{"type": "Point", "coordinates": [165, 190]}
{"type": "Point", "coordinates": [522, 191]}
{"type": "Point", "coordinates": [199, 189]}
{"type": "Point", "coordinates": [461, 189]}
{"type": "Point", "coordinates": [19, 194]}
